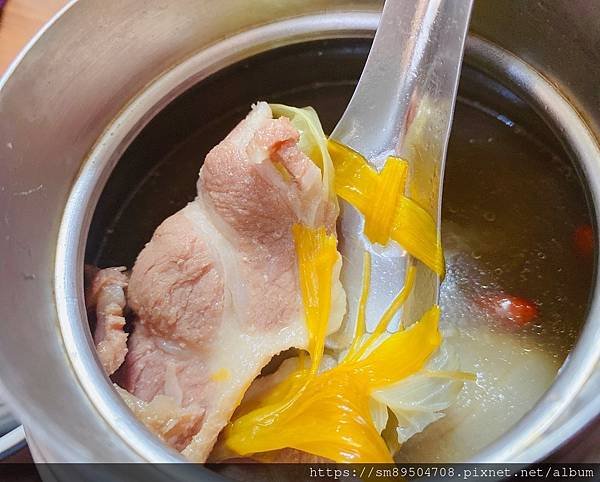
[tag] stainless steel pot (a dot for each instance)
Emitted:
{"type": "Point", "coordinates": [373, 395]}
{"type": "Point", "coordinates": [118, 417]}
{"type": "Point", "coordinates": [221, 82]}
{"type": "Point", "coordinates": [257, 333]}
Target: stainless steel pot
{"type": "Point", "coordinates": [97, 74]}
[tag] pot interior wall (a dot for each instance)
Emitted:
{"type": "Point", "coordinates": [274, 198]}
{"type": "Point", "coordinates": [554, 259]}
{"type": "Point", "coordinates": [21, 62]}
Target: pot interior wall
{"type": "Point", "coordinates": [513, 201]}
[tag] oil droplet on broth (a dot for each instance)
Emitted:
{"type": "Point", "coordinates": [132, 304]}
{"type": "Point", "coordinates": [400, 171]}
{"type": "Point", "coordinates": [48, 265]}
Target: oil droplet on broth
{"type": "Point", "coordinates": [489, 216]}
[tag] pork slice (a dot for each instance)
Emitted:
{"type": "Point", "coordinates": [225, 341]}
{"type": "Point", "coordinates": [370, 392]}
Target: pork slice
{"type": "Point", "coordinates": [216, 290]}
{"type": "Point", "coordinates": [106, 297]}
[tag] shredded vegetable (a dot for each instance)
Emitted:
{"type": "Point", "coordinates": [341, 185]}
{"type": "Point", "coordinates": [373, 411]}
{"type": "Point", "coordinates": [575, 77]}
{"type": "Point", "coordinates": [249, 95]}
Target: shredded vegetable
{"type": "Point", "coordinates": [341, 412]}
{"type": "Point", "coordinates": [329, 414]}
{"type": "Point", "coordinates": [317, 254]}
{"type": "Point", "coordinates": [388, 212]}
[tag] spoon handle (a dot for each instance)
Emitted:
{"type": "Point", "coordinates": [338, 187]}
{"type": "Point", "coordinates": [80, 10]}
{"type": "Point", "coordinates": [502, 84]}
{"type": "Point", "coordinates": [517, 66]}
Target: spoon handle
{"type": "Point", "coordinates": [403, 105]}
{"type": "Point", "coordinates": [407, 90]}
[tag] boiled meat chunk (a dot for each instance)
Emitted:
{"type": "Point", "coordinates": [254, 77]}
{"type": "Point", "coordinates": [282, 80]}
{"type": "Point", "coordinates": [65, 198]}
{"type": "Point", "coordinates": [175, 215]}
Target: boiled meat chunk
{"type": "Point", "coordinates": [106, 296]}
{"type": "Point", "coordinates": [216, 290]}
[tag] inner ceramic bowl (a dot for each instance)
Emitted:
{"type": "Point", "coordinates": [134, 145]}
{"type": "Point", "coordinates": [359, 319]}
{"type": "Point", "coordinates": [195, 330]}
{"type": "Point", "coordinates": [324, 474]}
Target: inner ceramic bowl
{"type": "Point", "coordinates": [505, 168]}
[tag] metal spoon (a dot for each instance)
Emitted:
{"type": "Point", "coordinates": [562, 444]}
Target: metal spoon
{"type": "Point", "coordinates": [403, 105]}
